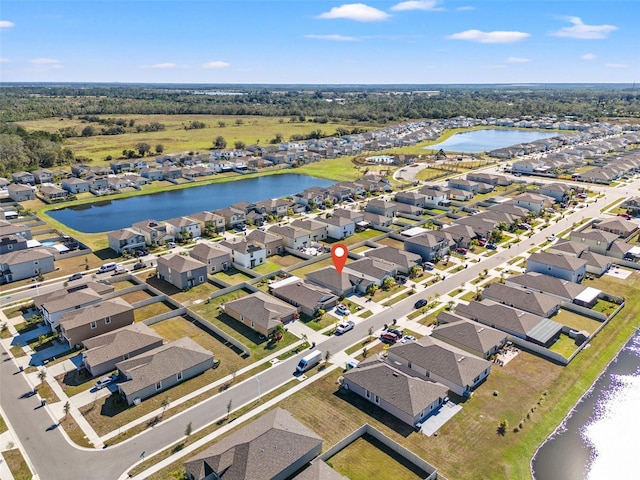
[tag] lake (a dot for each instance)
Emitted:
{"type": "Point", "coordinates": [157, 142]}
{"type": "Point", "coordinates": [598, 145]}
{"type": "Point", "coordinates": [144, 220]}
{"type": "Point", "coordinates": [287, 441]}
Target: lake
{"type": "Point", "coordinates": [601, 437]}
{"type": "Point", "coordinates": [109, 215]}
{"type": "Point", "coordinates": [479, 141]}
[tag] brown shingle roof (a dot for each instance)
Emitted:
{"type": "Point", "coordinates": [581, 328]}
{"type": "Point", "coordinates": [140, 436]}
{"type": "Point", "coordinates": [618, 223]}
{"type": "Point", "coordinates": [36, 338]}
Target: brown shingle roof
{"type": "Point", "coordinates": [116, 344]}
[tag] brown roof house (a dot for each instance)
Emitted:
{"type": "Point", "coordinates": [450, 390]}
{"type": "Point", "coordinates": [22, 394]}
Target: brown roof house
{"type": "Point", "coordinates": [407, 397]}
{"type": "Point", "coordinates": [598, 241]}
{"type": "Point", "coordinates": [96, 319]}
{"type": "Point", "coordinates": [104, 351]}
{"type": "Point", "coordinates": [477, 339]}
{"type": "Point", "coordinates": [209, 221]}
{"type": "Point", "coordinates": [215, 258]}
{"type": "Point", "coordinates": [273, 243]}
{"type": "Point", "coordinates": [260, 312]}
{"type": "Point", "coordinates": [309, 298]}
{"type": "Point", "coordinates": [272, 447]}
{"type": "Point", "coordinates": [527, 300]}
{"type": "Point", "coordinates": [618, 225]}
{"type": "Point", "coordinates": [460, 371]}
{"type": "Point", "coordinates": [161, 368]}
{"type": "Point", "coordinates": [182, 272]}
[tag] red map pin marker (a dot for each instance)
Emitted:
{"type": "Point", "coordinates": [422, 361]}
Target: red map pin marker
{"type": "Point", "coordinates": [339, 255]}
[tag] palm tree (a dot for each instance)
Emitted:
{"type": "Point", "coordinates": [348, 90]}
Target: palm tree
{"type": "Point", "coordinates": [165, 404]}
{"type": "Point", "coordinates": [327, 356]}
{"type": "Point", "coordinates": [66, 408]}
{"type": "Point", "coordinates": [188, 430]}
{"type": "Point", "coordinates": [42, 374]}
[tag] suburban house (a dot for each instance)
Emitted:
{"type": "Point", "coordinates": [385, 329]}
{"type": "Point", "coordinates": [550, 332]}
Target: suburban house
{"type": "Point", "coordinates": [292, 237]}
{"type": "Point", "coordinates": [596, 263]}
{"type": "Point", "coordinates": [338, 227]}
{"type": "Point", "coordinates": [25, 178]}
{"type": "Point", "coordinates": [632, 205]}
{"type": "Point", "coordinates": [527, 326]}
{"type": "Point", "coordinates": [277, 207]}
{"type": "Point", "coordinates": [319, 470]}
{"type": "Point", "coordinates": [215, 258]}
{"type": "Point", "coordinates": [245, 253]}
{"type": "Point", "coordinates": [163, 367]}
{"type": "Point", "coordinates": [375, 220]}
{"type": "Point", "coordinates": [104, 351]}
{"type": "Point", "coordinates": [475, 338]}
{"type": "Point", "coordinates": [125, 239]}
{"type": "Point", "coordinates": [307, 297]}
{"type": "Point", "coordinates": [560, 266]}
{"type": "Point", "coordinates": [462, 184]}
{"type": "Point", "coordinates": [598, 241]}
{"type": "Point", "coordinates": [273, 243]}
{"type": "Point", "coordinates": [273, 447]}
{"type": "Point", "coordinates": [403, 260]}
{"type": "Point", "coordinates": [311, 197]}
{"type": "Point", "coordinates": [563, 290]}
{"type": "Point", "coordinates": [355, 216]}
{"type": "Point", "coordinates": [462, 234]}
{"type": "Point", "coordinates": [560, 192]}
{"type": "Point", "coordinates": [55, 304]}
{"type": "Point", "coordinates": [7, 228]}
{"type": "Point", "coordinates": [78, 325]}
{"type": "Point", "coordinates": [43, 175]}
{"type": "Point", "coordinates": [460, 371]}
{"type": "Point", "coordinates": [12, 243]}
{"type": "Point", "coordinates": [375, 270]}
{"type": "Point", "coordinates": [533, 202]}
{"type": "Point", "coordinates": [489, 178]}
{"type": "Point", "coordinates": [232, 216]}
{"type": "Point", "coordinates": [381, 207]}
{"type": "Point", "coordinates": [344, 283]}
{"type": "Point", "coordinates": [617, 225]}
{"type": "Point", "coordinates": [260, 312]}
{"type": "Point", "coordinates": [407, 397]}
{"type": "Point", "coordinates": [26, 263]}
{"type": "Point", "coordinates": [527, 300]}
{"type": "Point", "coordinates": [317, 230]}
{"type": "Point", "coordinates": [209, 221]}
{"type": "Point", "coordinates": [21, 193]}
{"type": "Point", "coordinates": [412, 198]}
{"type": "Point", "coordinates": [183, 228]}
{"type": "Point", "coordinates": [52, 193]}
{"type": "Point", "coordinates": [75, 185]}
{"type": "Point", "coordinates": [428, 246]}
{"type": "Point", "coordinates": [568, 247]}
{"type": "Point", "coordinates": [153, 231]}
{"type": "Point", "coordinates": [180, 271]}
{"type": "Point", "coordinates": [435, 196]}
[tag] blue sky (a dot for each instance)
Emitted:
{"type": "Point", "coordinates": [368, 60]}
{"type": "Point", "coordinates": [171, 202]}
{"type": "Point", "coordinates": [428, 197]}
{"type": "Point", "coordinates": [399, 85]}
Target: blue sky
{"type": "Point", "coordinates": [320, 42]}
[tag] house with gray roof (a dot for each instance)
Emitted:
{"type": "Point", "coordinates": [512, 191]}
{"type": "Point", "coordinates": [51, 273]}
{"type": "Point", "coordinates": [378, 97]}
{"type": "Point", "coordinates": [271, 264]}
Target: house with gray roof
{"type": "Point", "coordinates": [260, 312]}
{"type": "Point", "coordinates": [26, 263]}
{"type": "Point", "coordinates": [154, 232]}
{"type": "Point", "coordinates": [560, 266]}
{"type": "Point", "coordinates": [7, 228]}
{"type": "Point", "coordinates": [563, 290]}
{"type": "Point", "coordinates": [382, 207]}
{"type": "Point", "coordinates": [54, 304]}
{"type": "Point", "coordinates": [319, 470]}
{"type": "Point", "coordinates": [125, 239]}
{"type": "Point", "coordinates": [344, 283]}
{"type": "Point", "coordinates": [412, 198]}
{"type": "Point", "coordinates": [23, 177]}
{"type": "Point", "coordinates": [560, 192]}
{"type": "Point", "coordinates": [21, 193]}
{"type": "Point", "coordinates": [373, 269]}
{"type": "Point", "coordinates": [402, 259]}
{"type": "Point", "coordinates": [306, 296]}
{"type": "Point", "coordinates": [523, 299]}
{"type": "Point", "coordinates": [317, 230]}
{"type": "Point", "coordinates": [462, 184]}
{"type": "Point", "coordinates": [355, 216]}
{"type": "Point", "coordinates": [273, 447]}
{"type": "Point", "coordinates": [598, 241]}
{"type": "Point", "coordinates": [292, 237]}
{"type": "Point", "coordinates": [104, 351]}
{"type": "Point", "coordinates": [163, 367]}
{"type": "Point", "coordinates": [518, 323]}
{"type": "Point", "coordinates": [215, 258]}
{"type": "Point", "coordinates": [12, 243]}
{"type": "Point", "coordinates": [75, 185]}
{"type": "Point", "coordinates": [180, 271]}
{"type": "Point", "coordinates": [568, 247]}
{"type": "Point", "coordinates": [534, 202]}
{"type": "Point", "coordinates": [245, 252]}
{"type": "Point", "coordinates": [596, 263]}
{"type": "Point", "coordinates": [209, 221]}
{"type": "Point", "coordinates": [183, 228]}
{"type": "Point", "coordinates": [435, 196]}
{"type": "Point", "coordinates": [407, 397]}
{"type": "Point", "coordinates": [431, 359]}
{"type": "Point", "coordinates": [338, 227]}
{"type": "Point", "coordinates": [273, 243]}
{"type": "Point", "coordinates": [232, 216]}
{"type": "Point", "coordinates": [428, 245]}
{"type": "Point", "coordinates": [617, 225]}
{"type": "Point", "coordinates": [619, 249]}
{"type": "Point", "coordinates": [78, 325]}
{"type": "Point", "coordinates": [472, 337]}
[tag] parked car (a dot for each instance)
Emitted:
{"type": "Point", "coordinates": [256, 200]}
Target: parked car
{"type": "Point", "coordinates": [491, 246]}
{"type": "Point", "coordinates": [396, 332]}
{"type": "Point", "coordinates": [551, 237]}
{"type": "Point", "coordinates": [582, 195]}
{"type": "Point", "coordinates": [461, 251]}
{"type": "Point", "coordinates": [342, 309]}
{"type": "Point", "coordinates": [389, 337]}
{"type": "Point", "coordinates": [401, 279]}
{"type": "Point", "coordinates": [240, 228]}
{"type": "Point", "coordinates": [408, 338]}
{"type": "Point", "coordinates": [428, 265]}
{"type": "Point", "coordinates": [75, 276]}
{"type": "Point", "coordinates": [345, 327]}
{"type": "Point", "coordinates": [103, 382]}
{"type": "Point", "coordinates": [482, 242]}
{"type": "Point", "coordinates": [138, 266]}
{"type": "Point", "coordinates": [420, 303]}
{"type": "Point", "coordinates": [626, 216]}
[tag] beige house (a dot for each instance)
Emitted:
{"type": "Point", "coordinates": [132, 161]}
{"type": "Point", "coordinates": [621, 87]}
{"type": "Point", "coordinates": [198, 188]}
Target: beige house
{"type": "Point", "coordinates": [94, 320]}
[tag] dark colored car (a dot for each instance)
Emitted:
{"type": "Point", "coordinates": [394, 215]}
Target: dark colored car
{"type": "Point", "coordinates": [491, 246]}
{"type": "Point", "coordinates": [389, 337]}
{"type": "Point", "coordinates": [420, 303]}
{"type": "Point", "coordinates": [75, 276]}
{"type": "Point", "coordinates": [396, 332]}
{"type": "Point", "coordinates": [461, 251]}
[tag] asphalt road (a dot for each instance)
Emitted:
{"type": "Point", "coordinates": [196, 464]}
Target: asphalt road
{"type": "Point", "coordinates": [55, 459]}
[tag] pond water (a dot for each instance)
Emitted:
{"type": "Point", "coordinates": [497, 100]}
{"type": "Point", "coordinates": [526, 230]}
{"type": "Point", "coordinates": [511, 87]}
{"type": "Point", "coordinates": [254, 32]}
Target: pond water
{"type": "Point", "coordinates": [479, 141]}
{"type": "Point", "coordinates": [114, 214]}
{"type": "Point", "coordinates": [600, 437]}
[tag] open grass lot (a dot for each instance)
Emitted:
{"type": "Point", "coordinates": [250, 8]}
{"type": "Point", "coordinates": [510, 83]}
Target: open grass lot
{"type": "Point", "coordinates": [429, 173]}
{"type": "Point", "coordinates": [301, 272]}
{"type": "Point", "coordinates": [267, 268]}
{"type": "Point", "coordinates": [576, 321]}
{"type": "Point", "coordinates": [199, 292]}
{"type": "Point", "coordinates": [367, 458]}
{"type": "Point", "coordinates": [232, 277]}
{"type": "Point", "coordinates": [360, 249]}
{"type": "Point", "coordinates": [362, 236]}
{"type": "Point", "coordinates": [175, 138]}
{"type": "Point", "coordinates": [338, 169]}
{"type": "Point", "coordinates": [46, 392]}
{"type": "Point", "coordinates": [122, 284]}
{"type": "Point", "coordinates": [284, 261]}
{"type": "Point", "coordinates": [17, 465]}
{"type": "Point", "coordinates": [137, 296]}
{"type": "Point", "coordinates": [149, 311]}
{"type": "Point", "coordinates": [565, 346]}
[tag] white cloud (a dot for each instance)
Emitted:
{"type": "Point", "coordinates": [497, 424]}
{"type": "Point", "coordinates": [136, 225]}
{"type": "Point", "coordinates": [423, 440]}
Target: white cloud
{"type": "Point", "coordinates": [584, 32]}
{"type": "Point", "coordinates": [616, 65]}
{"type": "Point", "coordinates": [465, 8]}
{"type": "Point", "coordinates": [334, 38]}
{"type": "Point", "coordinates": [518, 60]}
{"type": "Point", "coordinates": [45, 61]}
{"type": "Point", "coordinates": [164, 65]}
{"type": "Point", "coordinates": [6, 24]}
{"type": "Point", "coordinates": [356, 11]}
{"type": "Point", "coordinates": [588, 56]}
{"type": "Point", "coordinates": [489, 37]}
{"type": "Point", "coordinates": [5, 60]}
{"type": "Point", "coordinates": [44, 64]}
{"type": "Point", "coordinates": [414, 5]}
{"type": "Point", "coordinates": [217, 64]}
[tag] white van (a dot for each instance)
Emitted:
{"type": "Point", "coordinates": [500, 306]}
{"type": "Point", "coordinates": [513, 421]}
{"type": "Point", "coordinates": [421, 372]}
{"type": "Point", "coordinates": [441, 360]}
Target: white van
{"type": "Point", "coordinates": [309, 361]}
{"type": "Point", "coordinates": [108, 267]}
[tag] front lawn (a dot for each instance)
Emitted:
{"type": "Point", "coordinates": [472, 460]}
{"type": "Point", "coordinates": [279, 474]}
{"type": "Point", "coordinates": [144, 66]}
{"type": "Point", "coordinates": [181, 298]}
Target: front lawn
{"type": "Point", "coordinates": [17, 465]}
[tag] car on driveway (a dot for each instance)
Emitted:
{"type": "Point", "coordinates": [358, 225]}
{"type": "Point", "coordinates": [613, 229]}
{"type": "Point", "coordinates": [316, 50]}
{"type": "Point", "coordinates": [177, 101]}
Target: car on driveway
{"type": "Point", "coordinates": [420, 303]}
{"type": "Point", "coordinates": [103, 382]}
{"type": "Point", "coordinates": [345, 327]}
{"type": "Point", "coordinates": [342, 310]}
{"type": "Point", "coordinates": [461, 251]}
{"type": "Point", "coordinates": [491, 246]}
{"type": "Point", "coordinates": [389, 337]}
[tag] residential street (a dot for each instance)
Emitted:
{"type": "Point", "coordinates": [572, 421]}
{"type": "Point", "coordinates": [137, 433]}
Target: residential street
{"type": "Point", "coordinates": [55, 459]}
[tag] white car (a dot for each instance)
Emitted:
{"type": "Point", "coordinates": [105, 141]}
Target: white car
{"type": "Point", "coordinates": [342, 309]}
{"type": "Point", "coordinates": [345, 327]}
{"type": "Point", "coordinates": [103, 382]}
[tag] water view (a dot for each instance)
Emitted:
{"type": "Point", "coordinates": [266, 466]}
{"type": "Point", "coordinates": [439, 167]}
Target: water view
{"type": "Point", "coordinates": [114, 214]}
{"type": "Point", "coordinates": [600, 437]}
{"type": "Point", "coordinates": [485, 140]}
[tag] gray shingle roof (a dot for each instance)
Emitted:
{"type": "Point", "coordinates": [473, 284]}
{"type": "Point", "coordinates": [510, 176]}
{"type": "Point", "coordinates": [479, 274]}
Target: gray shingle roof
{"type": "Point", "coordinates": [548, 284]}
{"type": "Point", "coordinates": [116, 344]}
{"type": "Point", "coordinates": [258, 451]}
{"type": "Point", "coordinates": [262, 309]}
{"type": "Point", "coordinates": [207, 251]}
{"type": "Point", "coordinates": [564, 262]}
{"type": "Point", "coordinates": [527, 300]}
{"type": "Point", "coordinates": [98, 311]}
{"type": "Point", "coordinates": [318, 470]}
{"type": "Point", "coordinates": [399, 257]}
{"type": "Point", "coordinates": [305, 294]}
{"type": "Point", "coordinates": [372, 267]}
{"type": "Point", "coordinates": [472, 335]}
{"type": "Point", "coordinates": [180, 263]}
